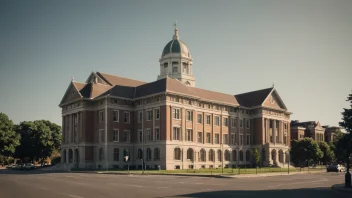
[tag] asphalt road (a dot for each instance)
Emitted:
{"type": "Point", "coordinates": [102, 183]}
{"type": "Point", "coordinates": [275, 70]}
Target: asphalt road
{"type": "Point", "coordinates": [17, 184]}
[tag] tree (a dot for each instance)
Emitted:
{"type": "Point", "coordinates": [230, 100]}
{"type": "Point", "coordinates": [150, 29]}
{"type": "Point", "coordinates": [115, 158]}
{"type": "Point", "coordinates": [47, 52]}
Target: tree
{"type": "Point", "coordinates": [305, 151]}
{"type": "Point", "coordinates": [256, 156]}
{"type": "Point", "coordinates": [39, 139]}
{"type": "Point", "coordinates": [346, 141]}
{"type": "Point", "coordinates": [9, 139]}
{"type": "Point", "coordinates": [328, 154]}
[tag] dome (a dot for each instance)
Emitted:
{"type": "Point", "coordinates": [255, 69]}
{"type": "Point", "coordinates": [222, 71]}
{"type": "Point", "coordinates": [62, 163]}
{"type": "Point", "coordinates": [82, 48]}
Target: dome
{"type": "Point", "coordinates": [176, 46]}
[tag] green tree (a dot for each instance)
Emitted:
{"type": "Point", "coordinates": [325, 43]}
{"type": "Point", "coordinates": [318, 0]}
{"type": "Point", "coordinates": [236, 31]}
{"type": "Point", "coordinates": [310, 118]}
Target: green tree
{"type": "Point", "coordinates": [328, 154]}
{"type": "Point", "coordinates": [305, 151]}
{"type": "Point", "coordinates": [39, 139]}
{"type": "Point", "coordinates": [9, 139]}
{"type": "Point", "coordinates": [256, 156]}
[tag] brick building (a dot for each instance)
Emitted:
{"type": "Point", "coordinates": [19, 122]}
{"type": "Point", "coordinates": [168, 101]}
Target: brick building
{"type": "Point", "coordinates": [311, 129]}
{"type": "Point", "coordinates": [169, 122]}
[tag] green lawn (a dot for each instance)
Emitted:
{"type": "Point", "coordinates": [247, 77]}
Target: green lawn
{"type": "Point", "coordinates": [220, 171]}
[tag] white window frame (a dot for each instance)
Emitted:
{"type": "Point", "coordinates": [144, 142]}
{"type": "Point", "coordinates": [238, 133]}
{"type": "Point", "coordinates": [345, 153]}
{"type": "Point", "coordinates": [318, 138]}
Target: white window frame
{"type": "Point", "coordinates": [148, 134]}
{"type": "Point", "coordinates": [201, 118]}
{"type": "Point", "coordinates": [140, 135]}
{"type": "Point", "coordinates": [207, 121]}
{"type": "Point", "coordinates": [101, 116]}
{"type": "Point", "coordinates": [201, 137]}
{"type": "Point", "coordinates": [129, 135]}
{"type": "Point", "coordinates": [233, 122]}
{"type": "Point", "coordinates": [241, 139]}
{"type": "Point", "coordinates": [218, 138]}
{"type": "Point", "coordinates": [225, 140]}
{"type": "Point", "coordinates": [124, 117]}
{"type": "Point", "coordinates": [233, 139]}
{"type": "Point", "coordinates": [241, 123]}
{"type": "Point", "coordinates": [190, 115]}
{"type": "Point", "coordinates": [101, 134]}
{"type": "Point", "coordinates": [176, 134]}
{"type": "Point", "coordinates": [157, 133]}
{"type": "Point", "coordinates": [118, 116]}
{"type": "Point", "coordinates": [157, 113]}
{"type": "Point", "coordinates": [116, 134]}
{"type": "Point", "coordinates": [206, 139]}
{"type": "Point", "coordinates": [176, 113]}
{"type": "Point", "coordinates": [149, 115]}
{"type": "Point", "coordinates": [248, 124]}
{"type": "Point", "coordinates": [248, 139]}
{"type": "Point", "coordinates": [217, 120]}
{"type": "Point", "coordinates": [191, 135]}
{"type": "Point", "coordinates": [227, 122]}
{"type": "Point", "coordinates": [140, 116]}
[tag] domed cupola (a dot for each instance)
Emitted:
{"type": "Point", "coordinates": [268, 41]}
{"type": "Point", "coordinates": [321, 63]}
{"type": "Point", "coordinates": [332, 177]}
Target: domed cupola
{"type": "Point", "coordinates": [176, 61]}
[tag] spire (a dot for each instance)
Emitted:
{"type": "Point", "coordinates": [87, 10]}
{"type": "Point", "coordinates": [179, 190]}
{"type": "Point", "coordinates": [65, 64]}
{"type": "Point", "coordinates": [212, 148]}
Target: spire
{"type": "Point", "coordinates": [175, 37]}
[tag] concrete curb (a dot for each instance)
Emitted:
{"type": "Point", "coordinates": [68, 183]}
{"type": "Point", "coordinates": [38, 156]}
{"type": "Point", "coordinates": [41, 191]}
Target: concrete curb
{"type": "Point", "coordinates": [341, 188]}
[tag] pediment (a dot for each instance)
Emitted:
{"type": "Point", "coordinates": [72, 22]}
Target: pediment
{"type": "Point", "coordinates": [273, 100]}
{"type": "Point", "coordinates": [71, 94]}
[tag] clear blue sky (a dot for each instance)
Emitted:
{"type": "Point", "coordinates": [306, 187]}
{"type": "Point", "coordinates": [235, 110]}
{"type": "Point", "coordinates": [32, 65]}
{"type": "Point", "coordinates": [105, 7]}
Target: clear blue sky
{"type": "Point", "coordinates": [305, 47]}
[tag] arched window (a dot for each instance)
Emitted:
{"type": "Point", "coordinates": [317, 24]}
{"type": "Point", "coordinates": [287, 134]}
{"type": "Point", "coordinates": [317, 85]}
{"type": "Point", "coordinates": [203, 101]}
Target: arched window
{"type": "Point", "coordinates": [202, 155]}
{"type": "Point", "coordinates": [281, 156]}
{"type": "Point", "coordinates": [156, 154]}
{"type": "Point", "coordinates": [273, 155]}
{"type": "Point", "coordinates": [149, 154]}
{"type": "Point", "coordinates": [211, 155]}
{"type": "Point", "coordinates": [177, 154]}
{"type": "Point", "coordinates": [126, 153]}
{"type": "Point", "coordinates": [116, 154]}
{"type": "Point", "coordinates": [70, 156]}
{"type": "Point", "coordinates": [227, 155]}
{"type": "Point", "coordinates": [241, 156]}
{"type": "Point", "coordinates": [101, 153]}
{"type": "Point", "coordinates": [140, 154]}
{"type": "Point", "coordinates": [234, 155]}
{"type": "Point", "coordinates": [219, 155]}
{"type": "Point", "coordinates": [76, 156]}
{"type": "Point", "coordinates": [190, 154]}
{"type": "Point", "coordinates": [248, 156]}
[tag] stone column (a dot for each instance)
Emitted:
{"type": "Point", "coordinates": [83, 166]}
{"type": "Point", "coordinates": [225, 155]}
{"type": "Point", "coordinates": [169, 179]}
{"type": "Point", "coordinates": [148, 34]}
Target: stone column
{"type": "Point", "coordinates": [183, 124]}
{"type": "Point", "coordinates": [171, 123]}
{"type": "Point", "coordinates": [274, 131]}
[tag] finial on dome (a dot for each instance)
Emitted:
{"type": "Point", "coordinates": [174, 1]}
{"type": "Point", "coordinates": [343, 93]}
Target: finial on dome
{"type": "Point", "coordinates": [175, 37]}
{"type": "Point", "coordinates": [73, 79]}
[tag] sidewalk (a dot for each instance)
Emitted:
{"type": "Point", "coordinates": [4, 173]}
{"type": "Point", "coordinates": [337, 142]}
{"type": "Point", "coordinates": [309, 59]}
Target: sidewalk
{"type": "Point", "coordinates": [341, 188]}
{"type": "Point", "coordinates": [267, 174]}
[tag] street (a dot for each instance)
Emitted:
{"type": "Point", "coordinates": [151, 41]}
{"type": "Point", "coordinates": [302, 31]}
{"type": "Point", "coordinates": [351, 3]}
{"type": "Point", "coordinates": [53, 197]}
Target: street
{"type": "Point", "coordinates": [36, 184]}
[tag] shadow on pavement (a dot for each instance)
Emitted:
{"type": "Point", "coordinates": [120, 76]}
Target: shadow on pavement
{"type": "Point", "coordinates": [284, 193]}
{"type": "Point", "coordinates": [25, 172]}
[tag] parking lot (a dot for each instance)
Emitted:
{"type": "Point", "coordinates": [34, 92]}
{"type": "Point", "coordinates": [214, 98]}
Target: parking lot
{"type": "Point", "coordinates": [39, 184]}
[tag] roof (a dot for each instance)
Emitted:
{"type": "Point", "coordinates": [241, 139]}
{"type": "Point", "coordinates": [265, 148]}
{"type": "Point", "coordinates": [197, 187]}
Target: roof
{"type": "Point", "coordinates": [117, 80]}
{"type": "Point", "coordinates": [254, 98]}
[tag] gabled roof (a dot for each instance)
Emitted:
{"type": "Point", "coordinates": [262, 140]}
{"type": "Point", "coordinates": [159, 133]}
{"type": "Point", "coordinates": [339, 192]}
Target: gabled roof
{"type": "Point", "coordinates": [117, 80]}
{"type": "Point", "coordinates": [254, 98]}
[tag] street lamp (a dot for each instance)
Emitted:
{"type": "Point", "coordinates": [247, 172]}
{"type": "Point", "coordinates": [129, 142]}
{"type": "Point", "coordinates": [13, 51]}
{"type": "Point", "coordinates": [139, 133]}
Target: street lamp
{"type": "Point", "coordinates": [128, 164]}
{"type": "Point", "coordinates": [348, 174]}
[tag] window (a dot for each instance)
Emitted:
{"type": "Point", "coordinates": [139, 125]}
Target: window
{"type": "Point", "coordinates": [225, 123]}
{"type": "Point", "coordinates": [225, 139]}
{"type": "Point", "coordinates": [233, 122]}
{"type": "Point", "coordinates": [116, 115]}
{"type": "Point", "coordinates": [208, 138]}
{"type": "Point", "coordinates": [241, 123]}
{"type": "Point", "coordinates": [211, 155]}
{"type": "Point", "coordinates": [177, 133]}
{"type": "Point", "coordinates": [217, 138]}
{"type": "Point", "coordinates": [208, 119]}
{"type": "Point", "coordinates": [149, 154]}
{"type": "Point", "coordinates": [140, 116]}
{"type": "Point", "coordinates": [116, 154]}
{"type": "Point", "coordinates": [101, 116]}
{"type": "Point", "coordinates": [127, 117]}
{"type": "Point", "coordinates": [248, 139]}
{"type": "Point", "coordinates": [217, 120]}
{"type": "Point", "coordinates": [140, 154]}
{"type": "Point", "coordinates": [199, 137]}
{"type": "Point", "coordinates": [241, 139]}
{"type": "Point", "coordinates": [176, 113]}
{"type": "Point", "coordinates": [140, 135]}
{"type": "Point", "coordinates": [189, 115]}
{"type": "Point", "coordinates": [127, 136]}
{"type": "Point", "coordinates": [174, 69]}
{"type": "Point", "coordinates": [101, 135]}
{"type": "Point", "coordinates": [248, 124]}
{"type": "Point", "coordinates": [233, 138]}
{"type": "Point", "coordinates": [234, 155]}
{"type": "Point", "coordinates": [116, 135]}
{"type": "Point", "coordinates": [219, 155]}
{"type": "Point", "coordinates": [101, 154]}
{"type": "Point", "coordinates": [199, 118]}
{"type": "Point", "coordinates": [149, 115]}
{"type": "Point", "coordinates": [149, 135]}
{"type": "Point", "coordinates": [202, 155]}
{"type": "Point", "coordinates": [241, 156]}
{"type": "Point", "coordinates": [227, 155]}
{"type": "Point", "coordinates": [157, 114]}
{"type": "Point", "coordinates": [157, 134]}
{"type": "Point", "coordinates": [156, 154]}
{"type": "Point", "coordinates": [190, 154]}
{"type": "Point", "coordinates": [189, 135]}
{"type": "Point", "coordinates": [177, 154]}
